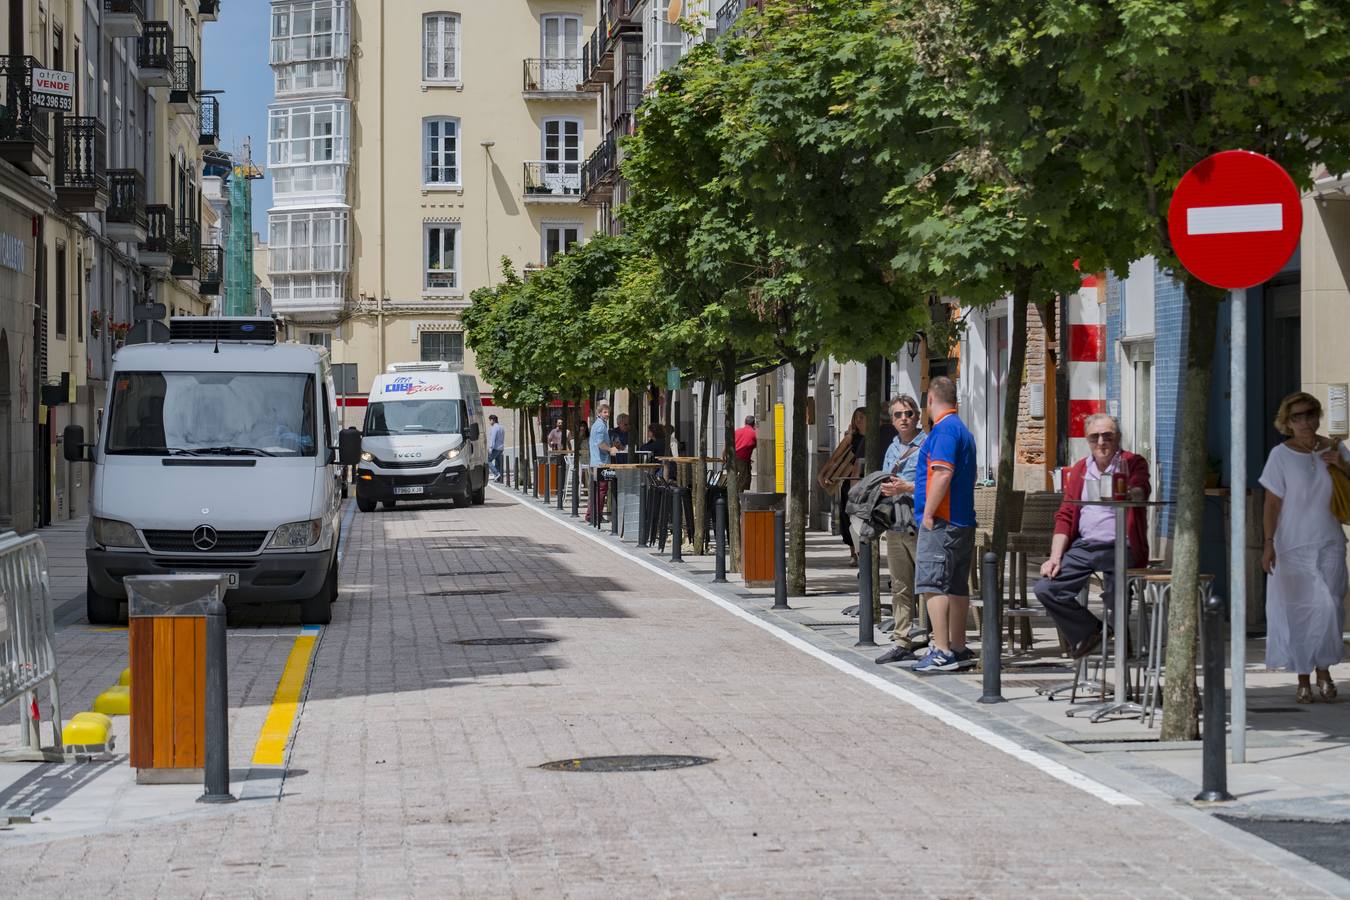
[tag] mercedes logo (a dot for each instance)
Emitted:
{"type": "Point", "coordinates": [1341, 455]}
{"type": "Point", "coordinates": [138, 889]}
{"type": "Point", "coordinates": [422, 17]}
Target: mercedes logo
{"type": "Point", "coordinates": [204, 537]}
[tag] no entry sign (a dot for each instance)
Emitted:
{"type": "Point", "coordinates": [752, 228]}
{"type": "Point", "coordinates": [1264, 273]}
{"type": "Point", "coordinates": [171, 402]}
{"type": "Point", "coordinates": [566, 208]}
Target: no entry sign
{"type": "Point", "coordinates": [1235, 219]}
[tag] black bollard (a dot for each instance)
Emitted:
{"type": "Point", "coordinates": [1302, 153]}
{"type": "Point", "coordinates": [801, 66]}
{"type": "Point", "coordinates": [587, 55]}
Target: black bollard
{"type": "Point", "coordinates": [1214, 770]}
{"type": "Point", "coordinates": [217, 714]}
{"type": "Point", "coordinates": [576, 492]}
{"type": "Point", "coordinates": [991, 640]}
{"type": "Point", "coordinates": [614, 507]}
{"type": "Point", "coordinates": [642, 515]}
{"type": "Point", "coordinates": [720, 531]}
{"type": "Point", "coordinates": [780, 560]}
{"type": "Point", "coordinates": [677, 539]}
{"type": "Point", "coordinates": [562, 480]}
{"type": "Point", "coordinates": [548, 481]}
{"type": "Point", "coordinates": [534, 476]}
{"type": "Point", "coordinates": [866, 636]}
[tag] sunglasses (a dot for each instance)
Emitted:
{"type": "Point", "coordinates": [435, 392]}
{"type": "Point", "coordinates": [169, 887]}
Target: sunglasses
{"type": "Point", "coordinates": [904, 414]}
{"type": "Point", "coordinates": [1102, 437]}
{"type": "Point", "coordinates": [1305, 415]}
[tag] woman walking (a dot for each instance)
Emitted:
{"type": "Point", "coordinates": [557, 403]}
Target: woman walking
{"type": "Point", "coordinates": [1304, 552]}
{"type": "Point", "coordinates": [857, 435]}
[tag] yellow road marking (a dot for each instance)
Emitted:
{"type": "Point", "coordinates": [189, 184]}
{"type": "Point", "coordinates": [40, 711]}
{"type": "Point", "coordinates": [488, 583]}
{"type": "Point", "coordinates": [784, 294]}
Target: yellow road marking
{"type": "Point", "coordinates": [276, 729]}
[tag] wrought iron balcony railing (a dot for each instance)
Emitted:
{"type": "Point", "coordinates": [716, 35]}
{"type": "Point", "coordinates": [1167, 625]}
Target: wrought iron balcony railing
{"type": "Point", "coordinates": [552, 75]}
{"type": "Point", "coordinates": [212, 257]}
{"type": "Point", "coordinates": [21, 120]}
{"type": "Point", "coordinates": [552, 179]}
{"type": "Point", "coordinates": [158, 233]}
{"type": "Point", "coordinates": [599, 169]}
{"type": "Point", "coordinates": [81, 162]}
{"type": "Point", "coordinates": [183, 90]}
{"type": "Point", "coordinates": [209, 119]}
{"type": "Point", "coordinates": [185, 247]}
{"type": "Point", "coordinates": [154, 48]}
{"type": "Point", "coordinates": [727, 14]}
{"type": "Point", "coordinates": [208, 10]}
{"type": "Point", "coordinates": [126, 198]}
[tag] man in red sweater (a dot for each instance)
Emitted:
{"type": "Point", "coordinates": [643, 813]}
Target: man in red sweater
{"type": "Point", "coordinates": [1085, 536]}
{"type": "Point", "coordinates": [745, 446]}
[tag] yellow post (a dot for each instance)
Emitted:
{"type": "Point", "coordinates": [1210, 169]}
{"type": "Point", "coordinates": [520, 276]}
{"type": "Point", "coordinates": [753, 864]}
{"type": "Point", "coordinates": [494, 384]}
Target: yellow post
{"type": "Point", "coordinates": [779, 451]}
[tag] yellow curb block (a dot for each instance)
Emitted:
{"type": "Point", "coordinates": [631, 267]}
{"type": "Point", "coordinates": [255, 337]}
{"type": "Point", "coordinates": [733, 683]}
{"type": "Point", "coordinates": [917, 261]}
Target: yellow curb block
{"type": "Point", "coordinates": [115, 701]}
{"type": "Point", "coordinates": [125, 677]}
{"type": "Point", "coordinates": [87, 729]}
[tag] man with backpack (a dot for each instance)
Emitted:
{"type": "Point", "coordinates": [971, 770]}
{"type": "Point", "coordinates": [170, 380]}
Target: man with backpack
{"type": "Point", "coordinates": [902, 465]}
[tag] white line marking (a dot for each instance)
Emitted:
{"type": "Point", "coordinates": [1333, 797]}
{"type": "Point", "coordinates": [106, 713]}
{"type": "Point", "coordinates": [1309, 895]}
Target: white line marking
{"type": "Point", "coordinates": [923, 705]}
{"type": "Point", "coordinates": [1239, 219]}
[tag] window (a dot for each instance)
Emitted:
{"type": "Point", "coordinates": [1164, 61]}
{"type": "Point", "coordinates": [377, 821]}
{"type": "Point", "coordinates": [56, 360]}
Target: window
{"type": "Point", "coordinates": [309, 241]}
{"type": "Point", "coordinates": [60, 291]}
{"type": "Point", "coordinates": [562, 155]}
{"type": "Point", "coordinates": [662, 42]}
{"type": "Point", "coordinates": [305, 291]}
{"type": "Point", "coordinates": [442, 256]}
{"type": "Point", "coordinates": [321, 76]}
{"type": "Point", "coordinates": [440, 146]}
{"type": "Point", "coordinates": [559, 238]}
{"type": "Point", "coordinates": [443, 346]}
{"type": "Point", "coordinates": [440, 47]}
{"type": "Point", "coordinates": [322, 339]}
{"type": "Point", "coordinates": [307, 133]}
{"type": "Point", "coordinates": [561, 36]}
{"type": "Point", "coordinates": [309, 30]}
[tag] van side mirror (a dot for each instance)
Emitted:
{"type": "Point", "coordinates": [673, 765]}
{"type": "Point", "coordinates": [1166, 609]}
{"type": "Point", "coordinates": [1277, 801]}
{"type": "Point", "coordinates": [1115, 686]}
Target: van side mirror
{"type": "Point", "coordinates": [73, 447]}
{"type": "Point", "coordinates": [349, 446]}
{"type": "Point", "coordinates": [471, 431]}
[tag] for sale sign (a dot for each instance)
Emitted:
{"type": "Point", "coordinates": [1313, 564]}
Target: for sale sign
{"type": "Point", "coordinates": [54, 89]}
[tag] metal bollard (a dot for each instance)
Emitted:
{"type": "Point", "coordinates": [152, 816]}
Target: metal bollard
{"type": "Point", "coordinates": [780, 560]}
{"type": "Point", "coordinates": [217, 715]}
{"type": "Point", "coordinates": [720, 530]}
{"type": "Point", "coordinates": [614, 507]}
{"type": "Point", "coordinates": [562, 481]}
{"type": "Point", "coordinates": [677, 519]}
{"type": "Point", "coordinates": [534, 476]}
{"type": "Point", "coordinates": [576, 493]}
{"type": "Point", "coordinates": [1214, 767]}
{"type": "Point", "coordinates": [991, 640]}
{"type": "Point", "coordinates": [866, 635]}
{"type": "Point", "coordinates": [548, 482]}
{"type": "Point", "coordinates": [643, 505]}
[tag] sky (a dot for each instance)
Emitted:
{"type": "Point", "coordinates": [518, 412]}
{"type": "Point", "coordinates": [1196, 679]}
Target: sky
{"type": "Point", "coordinates": [235, 60]}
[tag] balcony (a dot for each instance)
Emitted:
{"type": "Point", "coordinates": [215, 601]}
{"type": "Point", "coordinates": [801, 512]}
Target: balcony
{"type": "Point", "coordinates": [23, 126]}
{"type": "Point", "coordinates": [209, 119]}
{"type": "Point", "coordinates": [213, 269]}
{"type": "Point", "coordinates": [597, 62]}
{"type": "Point", "coordinates": [123, 18]}
{"type": "Point", "coordinates": [155, 248]}
{"type": "Point", "coordinates": [81, 178]}
{"type": "Point", "coordinates": [552, 182]}
{"type": "Point", "coordinates": [619, 14]}
{"type": "Point", "coordinates": [208, 10]}
{"type": "Point", "coordinates": [124, 219]}
{"type": "Point", "coordinates": [599, 171]}
{"type": "Point", "coordinates": [154, 55]}
{"type": "Point", "coordinates": [728, 13]}
{"type": "Point", "coordinates": [183, 89]}
{"type": "Point", "coordinates": [553, 79]}
{"type": "Point", "coordinates": [185, 249]}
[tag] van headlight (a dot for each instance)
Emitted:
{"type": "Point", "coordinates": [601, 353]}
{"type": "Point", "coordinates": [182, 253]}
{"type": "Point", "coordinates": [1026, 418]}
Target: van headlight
{"type": "Point", "coordinates": [367, 456]}
{"type": "Point", "coordinates": [297, 534]}
{"type": "Point", "coordinates": [112, 533]}
{"type": "Point", "coordinates": [454, 453]}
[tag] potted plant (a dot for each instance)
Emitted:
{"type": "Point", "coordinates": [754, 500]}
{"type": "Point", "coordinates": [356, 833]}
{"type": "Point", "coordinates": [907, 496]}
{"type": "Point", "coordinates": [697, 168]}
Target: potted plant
{"type": "Point", "coordinates": [119, 330]}
{"type": "Point", "coordinates": [95, 322]}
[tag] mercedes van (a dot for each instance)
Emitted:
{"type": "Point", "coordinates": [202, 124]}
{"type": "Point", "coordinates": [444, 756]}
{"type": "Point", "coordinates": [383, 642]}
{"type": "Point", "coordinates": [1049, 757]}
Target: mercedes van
{"type": "Point", "coordinates": [218, 453]}
{"type": "Point", "coordinates": [424, 438]}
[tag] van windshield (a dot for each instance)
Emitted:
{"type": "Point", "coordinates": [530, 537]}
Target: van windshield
{"type": "Point", "coordinates": [412, 417]}
{"type": "Point", "coordinates": [212, 413]}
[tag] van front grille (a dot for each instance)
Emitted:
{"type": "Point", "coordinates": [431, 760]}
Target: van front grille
{"type": "Point", "coordinates": [226, 542]}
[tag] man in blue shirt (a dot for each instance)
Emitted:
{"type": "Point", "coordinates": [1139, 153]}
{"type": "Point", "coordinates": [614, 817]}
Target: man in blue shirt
{"type": "Point", "coordinates": [944, 504]}
{"type": "Point", "coordinates": [902, 462]}
{"type": "Point", "coordinates": [496, 447]}
{"type": "Point", "coordinates": [600, 448]}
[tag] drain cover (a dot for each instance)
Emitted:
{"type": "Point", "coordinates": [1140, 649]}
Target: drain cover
{"type": "Point", "coordinates": [462, 574]}
{"type": "Point", "coordinates": [625, 763]}
{"type": "Point", "coordinates": [463, 592]}
{"type": "Point", "coordinates": [505, 641]}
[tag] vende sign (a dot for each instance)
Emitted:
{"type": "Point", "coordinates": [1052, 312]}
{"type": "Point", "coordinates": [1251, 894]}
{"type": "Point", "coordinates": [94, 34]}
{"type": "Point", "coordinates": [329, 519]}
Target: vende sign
{"type": "Point", "coordinates": [54, 89]}
{"type": "Point", "coordinates": [1235, 219]}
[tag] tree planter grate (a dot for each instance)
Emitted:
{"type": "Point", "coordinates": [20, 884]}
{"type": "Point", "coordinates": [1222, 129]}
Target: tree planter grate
{"type": "Point", "coordinates": [466, 574]}
{"type": "Point", "coordinates": [640, 763]}
{"type": "Point", "coordinates": [504, 641]}
{"type": "Point", "coordinates": [463, 592]}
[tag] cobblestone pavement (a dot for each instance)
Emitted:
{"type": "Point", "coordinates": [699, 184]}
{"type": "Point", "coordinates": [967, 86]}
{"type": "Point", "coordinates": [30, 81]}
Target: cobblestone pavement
{"type": "Point", "coordinates": [415, 767]}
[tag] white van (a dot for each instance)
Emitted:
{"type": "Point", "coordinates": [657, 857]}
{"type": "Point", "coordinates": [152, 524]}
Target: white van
{"type": "Point", "coordinates": [218, 452]}
{"type": "Point", "coordinates": [424, 438]}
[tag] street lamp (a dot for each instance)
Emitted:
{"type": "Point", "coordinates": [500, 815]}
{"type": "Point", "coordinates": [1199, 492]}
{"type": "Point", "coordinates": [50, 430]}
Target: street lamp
{"type": "Point", "coordinates": [912, 346]}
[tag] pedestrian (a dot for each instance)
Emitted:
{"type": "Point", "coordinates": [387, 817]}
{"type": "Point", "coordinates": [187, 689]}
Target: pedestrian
{"type": "Point", "coordinates": [1304, 550]}
{"type": "Point", "coordinates": [656, 441]}
{"type": "Point", "coordinates": [558, 439]}
{"type": "Point", "coordinates": [857, 438]}
{"type": "Point", "coordinates": [600, 449]}
{"type": "Point", "coordinates": [944, 504]}
{"type": "Point", "coordinates": [746, 441]}
{"type": "Point", "coordinates": [618, 438]}
{"type": "Point", "coordinates": [902, 461]}
{"type": "Point", "coordinates": [496, 447]}
{"type": "Point", "coordinates": [1085, 536]}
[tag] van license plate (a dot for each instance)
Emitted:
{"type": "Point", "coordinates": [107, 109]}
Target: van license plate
{"type": "Point", "coordinates": [409, 489]}
{"type": "Point", "coordinates": [231, 578]}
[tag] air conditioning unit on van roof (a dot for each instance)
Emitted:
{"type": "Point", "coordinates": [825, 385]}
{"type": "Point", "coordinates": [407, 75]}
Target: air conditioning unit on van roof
{"type": "Point", "coordinates": [251, 329]}
{"type": "Point", "coordinates": [418, 367]}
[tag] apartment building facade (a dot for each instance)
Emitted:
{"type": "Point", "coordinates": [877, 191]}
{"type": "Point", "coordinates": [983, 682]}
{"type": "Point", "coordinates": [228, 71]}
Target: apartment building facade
{"type": "Point", "coordinates": [412, 147]}
{"type": "Point", "coordinates": [101, 215]}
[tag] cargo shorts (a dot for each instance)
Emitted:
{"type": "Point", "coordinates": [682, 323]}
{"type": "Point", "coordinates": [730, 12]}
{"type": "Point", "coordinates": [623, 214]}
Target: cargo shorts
{"type": "Point", "coordinates": [942, 559]}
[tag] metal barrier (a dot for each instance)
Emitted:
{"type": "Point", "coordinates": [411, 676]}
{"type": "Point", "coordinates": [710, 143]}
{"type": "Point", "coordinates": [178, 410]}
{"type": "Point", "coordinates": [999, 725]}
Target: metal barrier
{"type": "Point", "coordinates": [27, 645]}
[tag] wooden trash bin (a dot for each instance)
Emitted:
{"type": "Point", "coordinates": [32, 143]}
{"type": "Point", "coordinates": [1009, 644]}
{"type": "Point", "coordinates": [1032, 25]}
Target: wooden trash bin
{"type": "Point", "coordinates": [167, 616]}
{"type": "Point", "coordinates": [548, 477]}
{"type": "Point", "coordinates": [757, 562]}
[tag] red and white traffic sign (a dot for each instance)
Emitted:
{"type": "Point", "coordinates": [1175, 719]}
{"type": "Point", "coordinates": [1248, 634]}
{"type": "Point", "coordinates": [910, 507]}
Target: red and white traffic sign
{"type": "Point", "coordinates": [1235, 219]}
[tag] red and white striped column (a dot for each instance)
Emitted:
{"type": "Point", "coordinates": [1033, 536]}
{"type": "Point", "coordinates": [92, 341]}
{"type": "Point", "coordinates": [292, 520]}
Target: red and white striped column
{"type": "Point", "coordinates": [1087, 360]}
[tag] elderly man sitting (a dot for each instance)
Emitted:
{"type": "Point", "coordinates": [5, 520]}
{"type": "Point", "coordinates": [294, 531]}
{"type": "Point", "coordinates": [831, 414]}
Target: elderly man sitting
{"type": "Point", "coordinates": [1085, 536]}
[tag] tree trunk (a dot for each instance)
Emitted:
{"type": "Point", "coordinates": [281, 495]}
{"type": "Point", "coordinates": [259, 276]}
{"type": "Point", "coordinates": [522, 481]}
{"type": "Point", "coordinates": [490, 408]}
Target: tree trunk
{"type": "Point", "coordinates": [876, 369]}
{"type": "Point", "coordinates": [729, 445]}
{"type": "Point", "coordinates": [798, 487]}
{"type": "Point", "coordinates": [1007, 456]}
{"type": "Point", "coordinates": [700, 485]}
{"type": "Point", "coordinates": [637, 431]}
{"type": "Point", "coordinates": [1180, 712]}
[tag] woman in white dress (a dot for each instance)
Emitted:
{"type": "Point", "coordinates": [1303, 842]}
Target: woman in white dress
{"type": "Point", "coordinates": [1304, 553]}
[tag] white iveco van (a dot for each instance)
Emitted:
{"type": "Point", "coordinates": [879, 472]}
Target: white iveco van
{"type": "Point", "coordinates": [424, 438]}
{"type": "Point", "coordinates": [218, 452]}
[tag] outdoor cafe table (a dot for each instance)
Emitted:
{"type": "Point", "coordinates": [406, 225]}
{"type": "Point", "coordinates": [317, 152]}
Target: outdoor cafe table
{"type": "Point", "coordinates": [1120, 706]}
{"type": "Point", "coordinates": [628, 497]}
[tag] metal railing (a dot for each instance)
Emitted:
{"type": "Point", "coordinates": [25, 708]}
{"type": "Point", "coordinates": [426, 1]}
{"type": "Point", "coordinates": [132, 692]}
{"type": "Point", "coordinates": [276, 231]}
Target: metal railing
{"type": "Point", "coordinates": [212, 257]}
{"type": "Point", "coordinates": [27, 642]}
{"type": "Point", "coordinates": [154, 48]}
{"type": "Point", "coordinates": [125, 7]}
{"type": "Point", "coordinates": [186, 248]}
{"type": "Point", "coordinates": [594, 51]}
{"type": "Point", "coordinates": [620, 12]}
{"type": "Point", "coordinates": [727, 14]}
{"type": "Point", "coordinates": [157, 230]}
{"type": "Point", "coordinates": [209, 118]}
{"type": "Point", "coordinates": [599, 166]}
{"type": "Point", "coordinates": [20, 120]}
{"type": "Point", "coordinates": [553, 75]}
{"type": "Point", "coordinates": [81, 153]}
{"type": "Point", "coordinates": [552, 178]}
{"type": "Point", "coordinates": [208, 8]}
{"type": "Point", "coordinates": [126, 198]}
{"type": "Point", "coordinates": [184, 85]}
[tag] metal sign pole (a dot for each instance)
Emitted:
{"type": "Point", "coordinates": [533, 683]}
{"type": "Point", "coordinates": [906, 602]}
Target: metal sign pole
{"type": "Point", "coordinates": [1237, 537]}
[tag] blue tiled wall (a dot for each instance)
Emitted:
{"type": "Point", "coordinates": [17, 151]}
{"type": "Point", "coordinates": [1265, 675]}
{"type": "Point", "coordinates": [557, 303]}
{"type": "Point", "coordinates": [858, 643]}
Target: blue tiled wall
{"type": "Point", "coordinates": [1170, 326]}
{"type": "Point", "coordinates": [1115, 329]}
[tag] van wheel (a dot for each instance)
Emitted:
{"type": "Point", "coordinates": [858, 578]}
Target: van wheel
{"type": "Point", "coordinates": [479, 496]}
{"type": "Point", "coordinates": [389, 504]}
{"type": "Point", "coordinates": [365, 504]}
{"type": "Point", "coordinates": [100, 608]}
{"type": "Point", "coordinates": [318, 609]}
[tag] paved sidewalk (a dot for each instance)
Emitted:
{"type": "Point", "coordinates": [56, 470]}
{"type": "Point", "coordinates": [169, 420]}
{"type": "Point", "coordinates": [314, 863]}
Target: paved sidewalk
{"type": "Point", "coordinates": [415, 767]}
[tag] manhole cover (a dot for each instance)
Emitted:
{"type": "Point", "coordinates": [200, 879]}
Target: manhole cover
{"type": "Point", "coordinates": [505, 641]}
{"type": "Point", "coordinates": [463, 592]}
{"type": "Point", "coordinates": [625, 763]}
{"type": "Point", "coordinates": [463, 574]}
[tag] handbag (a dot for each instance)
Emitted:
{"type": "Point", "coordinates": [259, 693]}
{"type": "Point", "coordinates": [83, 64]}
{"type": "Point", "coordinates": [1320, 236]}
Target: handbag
{"type": "Point", "coordinates": [1340, 493]}
{"type": "Point", "coordinates": [838, 467]}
